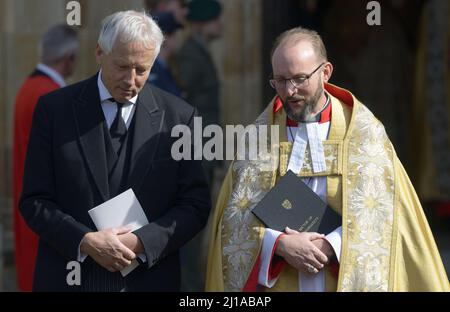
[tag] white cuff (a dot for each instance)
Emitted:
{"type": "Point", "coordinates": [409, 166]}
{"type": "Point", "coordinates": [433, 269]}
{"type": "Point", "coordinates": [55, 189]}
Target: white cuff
{"type": "Point", "coordinates": [143, 257]}
{"type": "Point", "coordinates": [270, 238]}
{"type": "Point", "coordinates": [81, 255]}
{"type": "Point", "coordinates": [335, 240]}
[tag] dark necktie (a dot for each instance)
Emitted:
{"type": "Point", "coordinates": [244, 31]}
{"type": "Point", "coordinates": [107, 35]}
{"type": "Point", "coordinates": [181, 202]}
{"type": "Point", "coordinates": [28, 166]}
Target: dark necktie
{"type": "Point", "coordinates": [118, 129]}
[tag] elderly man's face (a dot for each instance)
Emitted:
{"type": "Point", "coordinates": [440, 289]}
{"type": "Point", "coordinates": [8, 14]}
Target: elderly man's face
{"type": "Point", "coordinates": [299, 60]}
{"type": "Point", "coordinates": [213, 29]}
{"type": "Point", "coordinates": [125, 70]}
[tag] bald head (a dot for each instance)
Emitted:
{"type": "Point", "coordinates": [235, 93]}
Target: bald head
{"type": "Point", "coordinates": [299, 35]}
{"type": "Point", "coordinates": [294, 58]}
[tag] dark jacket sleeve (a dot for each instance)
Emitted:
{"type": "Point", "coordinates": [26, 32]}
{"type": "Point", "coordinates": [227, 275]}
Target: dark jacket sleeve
{"type": "Point", "coordinates": [38, 203]}
{"type": "Point", "coordinates": [187, 216]}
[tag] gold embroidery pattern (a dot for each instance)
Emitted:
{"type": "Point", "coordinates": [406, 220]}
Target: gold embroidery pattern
{"type": "Point", "coordinates": [241, 231]}
{"type": "Point", "coordinates": [332, 160]}
{"type": "Point", "coordinates": [370, 198]}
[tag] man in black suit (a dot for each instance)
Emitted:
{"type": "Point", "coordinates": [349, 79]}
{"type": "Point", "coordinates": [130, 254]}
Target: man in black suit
{"type": "Point", "coordinates": [95, 139]}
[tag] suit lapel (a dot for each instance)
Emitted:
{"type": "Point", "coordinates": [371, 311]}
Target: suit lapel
{"type": "Point", "coordinates": [148, 125]}
{"type": "Point", "coordinates": [90, 122]}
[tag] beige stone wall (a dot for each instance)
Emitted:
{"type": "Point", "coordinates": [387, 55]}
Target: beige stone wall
{"type": "Point", "coordinates": [3, 117]}
{"type": "Point", "coordinates": [238, 55]}
{"type": "Point", "coordinates": [2, 132]}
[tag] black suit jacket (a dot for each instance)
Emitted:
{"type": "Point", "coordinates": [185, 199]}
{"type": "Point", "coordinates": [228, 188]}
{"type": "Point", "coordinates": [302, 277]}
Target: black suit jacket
{"type": "Point", "coordinates": [66, 175]}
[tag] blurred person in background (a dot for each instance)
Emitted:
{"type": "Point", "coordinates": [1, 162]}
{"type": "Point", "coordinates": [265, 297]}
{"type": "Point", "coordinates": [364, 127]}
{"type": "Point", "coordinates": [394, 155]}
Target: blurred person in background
{"type": "Point", "coordinates": [200, 86]}
{"type": "Point", "coordinates": [176, 7]}
{"type": "Point", "coordinates": [58, 50]}
{"type": "Point", "coordinates": [197, 71]}
{"type": "Point", "coordinates": [161, 73]}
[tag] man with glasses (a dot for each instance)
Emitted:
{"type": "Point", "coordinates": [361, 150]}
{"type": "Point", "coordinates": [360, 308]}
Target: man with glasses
{"type": "Point", "coordinates": [341, 151]}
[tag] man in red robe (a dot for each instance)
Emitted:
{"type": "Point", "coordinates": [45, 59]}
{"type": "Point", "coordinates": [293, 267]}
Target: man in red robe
{"type": "Point", "coordinates": [58, 49]}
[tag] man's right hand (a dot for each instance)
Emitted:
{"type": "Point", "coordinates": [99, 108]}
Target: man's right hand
{"type": "Point", "coordinates": [107, 250]}
{"type": "Point", "coordinates": [299, 251]}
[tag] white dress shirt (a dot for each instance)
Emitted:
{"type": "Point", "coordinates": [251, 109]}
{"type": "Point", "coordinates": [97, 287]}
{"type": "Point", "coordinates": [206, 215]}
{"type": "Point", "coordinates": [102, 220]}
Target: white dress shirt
{"type": "Point", "coordinates": [110, 108]}
{"type": "Point", "coordinates": [307, 282]}
{"type": "Point", "coordinates": [109, 111]}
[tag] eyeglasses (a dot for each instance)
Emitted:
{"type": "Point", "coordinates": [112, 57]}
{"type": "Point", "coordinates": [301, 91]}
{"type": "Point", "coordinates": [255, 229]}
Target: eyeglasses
{"type": "Point", "coordinates": [297, 82]}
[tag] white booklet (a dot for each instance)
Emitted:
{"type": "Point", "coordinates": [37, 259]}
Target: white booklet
{"type": "Point", "coordinates": [124, 209]}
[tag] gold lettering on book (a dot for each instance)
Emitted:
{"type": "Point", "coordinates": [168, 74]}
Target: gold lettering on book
{"type": "Point", "coordinates": [308, 224]}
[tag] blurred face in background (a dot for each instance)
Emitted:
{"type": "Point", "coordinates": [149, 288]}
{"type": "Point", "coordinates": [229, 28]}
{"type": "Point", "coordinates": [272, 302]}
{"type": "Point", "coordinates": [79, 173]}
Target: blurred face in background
{"type": "Point", "coordinates": [170, 44]}
{"type": "Point", "coordinates": [68, 65]}
{"type": "Point", "coordinates": [178, 10]}
{"type": "Point", "coordinates": [125, 70]}
{"type": "Point", "coordinates": [212, 29]}
{"type": "Point", "coordinates": [176, 7]}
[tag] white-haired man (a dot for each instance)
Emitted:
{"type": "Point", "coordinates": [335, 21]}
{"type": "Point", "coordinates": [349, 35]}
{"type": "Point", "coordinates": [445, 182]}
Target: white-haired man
{"type": "Point", "coordinates": [97, 138]}
{"type": "Point", "coordinates": [58, 49]}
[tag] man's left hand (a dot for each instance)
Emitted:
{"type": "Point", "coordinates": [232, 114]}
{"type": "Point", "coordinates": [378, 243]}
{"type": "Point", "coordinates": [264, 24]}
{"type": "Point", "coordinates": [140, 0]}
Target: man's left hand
{"type": "Point", "coordinates": [324, 247]}
{"type": "Point", "coordinates": [132, 241]}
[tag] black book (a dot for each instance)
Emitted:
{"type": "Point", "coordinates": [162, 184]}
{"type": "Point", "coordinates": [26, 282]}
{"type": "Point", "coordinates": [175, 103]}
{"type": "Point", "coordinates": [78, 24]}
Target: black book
{"type": "Point", "coordinates": [293, 204]}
